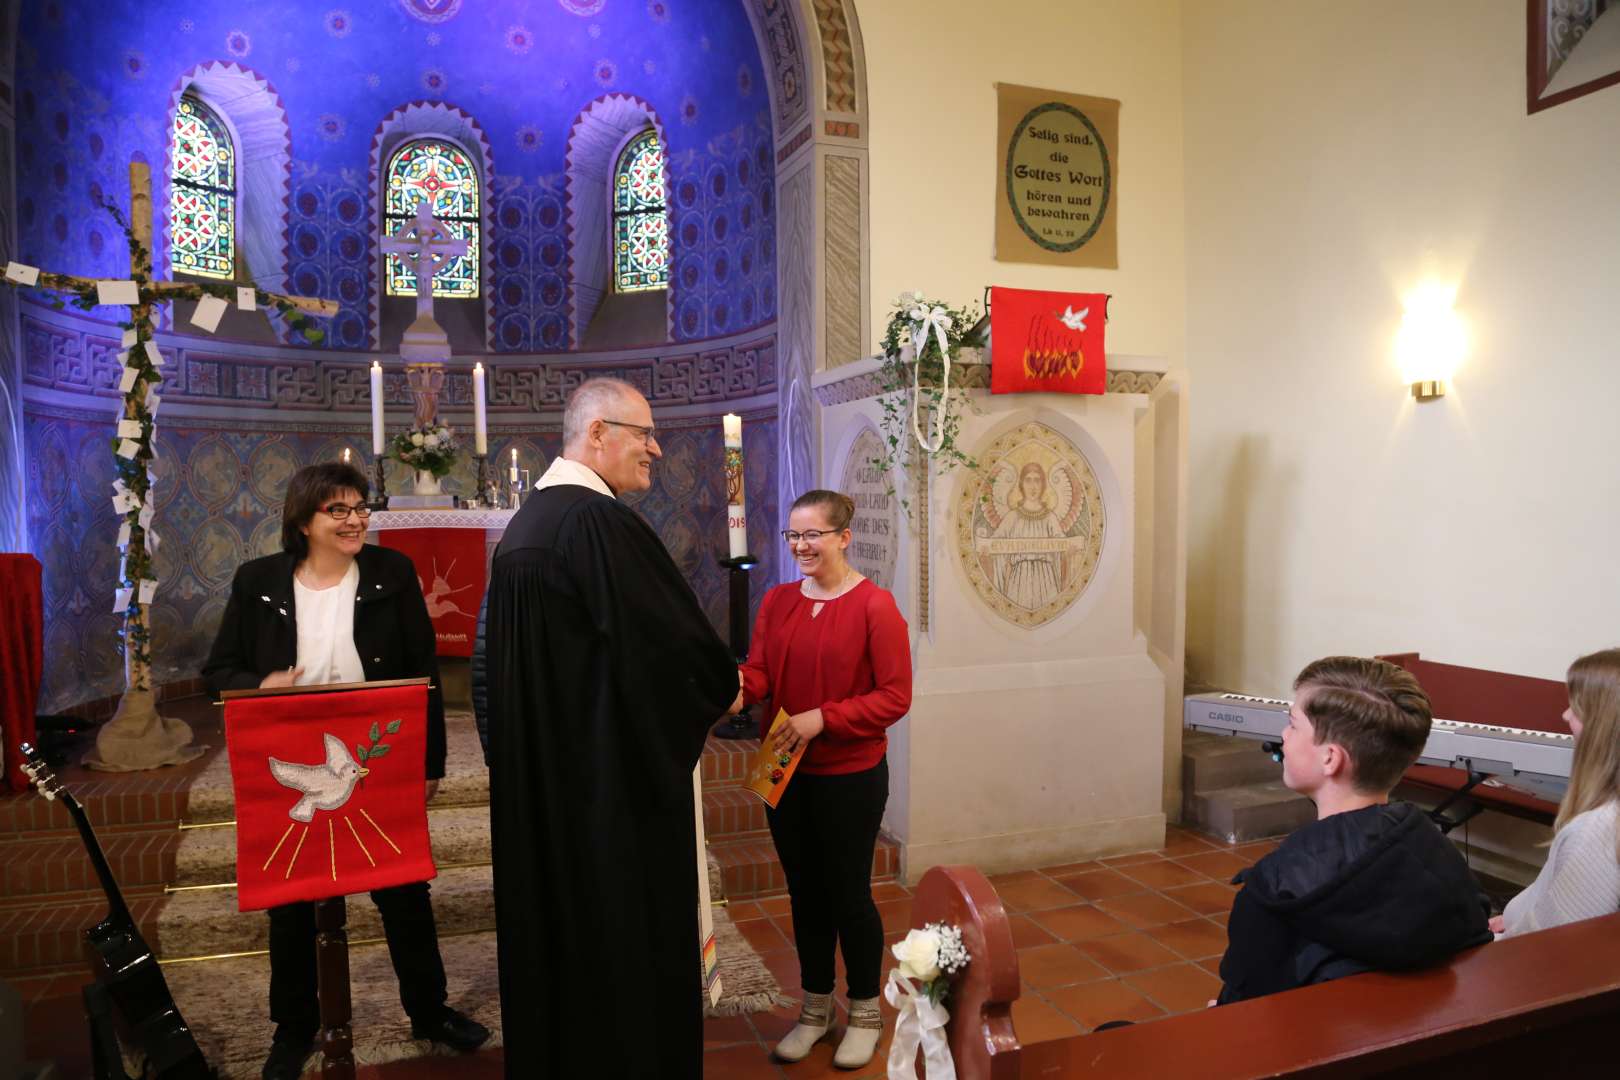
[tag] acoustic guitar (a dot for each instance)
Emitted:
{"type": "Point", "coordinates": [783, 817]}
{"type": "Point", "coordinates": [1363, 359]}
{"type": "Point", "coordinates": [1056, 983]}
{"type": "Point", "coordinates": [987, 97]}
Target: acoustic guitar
{"type": "Point", "coordinates": [125, 968]}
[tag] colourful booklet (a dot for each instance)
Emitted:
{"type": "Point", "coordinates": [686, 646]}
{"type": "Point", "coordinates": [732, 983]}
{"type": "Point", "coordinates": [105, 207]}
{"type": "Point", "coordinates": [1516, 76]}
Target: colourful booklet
{"type": "Point", "coordinates": [772, 768]}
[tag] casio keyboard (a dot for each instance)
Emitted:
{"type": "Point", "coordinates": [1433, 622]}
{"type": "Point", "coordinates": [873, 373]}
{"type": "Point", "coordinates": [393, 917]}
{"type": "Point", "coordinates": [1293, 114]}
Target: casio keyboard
{"type": "Point", "coordinates": [1535, 762]}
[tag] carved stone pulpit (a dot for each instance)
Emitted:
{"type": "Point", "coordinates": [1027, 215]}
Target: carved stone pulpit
{"type": "Point", "coordinates": [1045, 592]}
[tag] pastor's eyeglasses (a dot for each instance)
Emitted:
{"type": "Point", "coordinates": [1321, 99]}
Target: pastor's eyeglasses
{"type": "Point", "coordinates": [648, 434]}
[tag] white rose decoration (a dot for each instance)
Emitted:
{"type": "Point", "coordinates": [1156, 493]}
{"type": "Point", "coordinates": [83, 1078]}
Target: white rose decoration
{"type": "Point", "coordinates": [416, 438]}
{"type": "Point", "coordinates": [431, 441]}
{"type": "Point", "coordinates": [919, 955]}
{"type": "Point", "coordinates": [444, 433]}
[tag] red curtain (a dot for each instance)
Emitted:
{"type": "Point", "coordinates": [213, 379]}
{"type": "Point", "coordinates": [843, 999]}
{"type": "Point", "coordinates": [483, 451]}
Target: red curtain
{"type": "Point", "coordinates": [22, 659]}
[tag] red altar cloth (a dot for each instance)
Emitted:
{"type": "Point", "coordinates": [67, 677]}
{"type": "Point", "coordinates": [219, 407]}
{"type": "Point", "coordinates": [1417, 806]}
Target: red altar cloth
{"type": "Point", "coordinates": [450, 567]}
{"type": "Point", "coordinates": [22, 660]}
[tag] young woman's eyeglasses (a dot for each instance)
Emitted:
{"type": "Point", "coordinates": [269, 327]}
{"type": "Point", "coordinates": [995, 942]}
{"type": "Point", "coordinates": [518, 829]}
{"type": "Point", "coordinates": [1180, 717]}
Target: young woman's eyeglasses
{"type": "Point", "coordinates": [341, 511]}
{"type": "Point", "coordinates": [809, 536]}
{"type": "Point", "coordinates": [648, 434]}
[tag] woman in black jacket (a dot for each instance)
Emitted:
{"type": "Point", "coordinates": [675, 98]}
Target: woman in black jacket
{"type": "Point", "coordinates": [331, 608]}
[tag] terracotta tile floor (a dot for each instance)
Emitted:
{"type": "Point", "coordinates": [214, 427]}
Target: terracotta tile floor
{"type": "Point", "coordinates": [1130, 938]}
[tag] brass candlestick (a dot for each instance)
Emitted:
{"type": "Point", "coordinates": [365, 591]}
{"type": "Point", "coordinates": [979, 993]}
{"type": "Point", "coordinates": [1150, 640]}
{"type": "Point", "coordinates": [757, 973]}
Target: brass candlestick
{"type": "Point", "coordinates": [485, 489]}
{"type": "Point", "coordinates": [379, 482]}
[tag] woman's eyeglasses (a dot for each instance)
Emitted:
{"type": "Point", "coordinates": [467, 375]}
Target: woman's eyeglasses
{"type": "Point", "coordinates": [809, 536]}
{"type": "Point", "coordinates": [341, 511]}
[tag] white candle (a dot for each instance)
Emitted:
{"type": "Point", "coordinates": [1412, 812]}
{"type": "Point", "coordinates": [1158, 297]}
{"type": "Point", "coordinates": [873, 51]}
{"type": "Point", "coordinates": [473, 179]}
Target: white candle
{"type": "Point", "coordinates": [514, 465]}
{"type": "Point", "coordinates": [376, 408]}
{"type": "Point", "coordinates": [345, 455]}
{"type": "Point", "coordinates": [736, 516]}
{"type": "Point", "coordinates": [480, 426]}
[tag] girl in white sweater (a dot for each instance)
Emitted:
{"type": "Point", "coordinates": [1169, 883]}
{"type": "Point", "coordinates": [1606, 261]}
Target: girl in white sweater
{"type": "Point", "coordinates": [1581, 879]}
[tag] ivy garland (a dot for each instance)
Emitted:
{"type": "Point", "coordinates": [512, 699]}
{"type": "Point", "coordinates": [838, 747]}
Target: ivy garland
{"type": "Point", "coordinates": [133, 473]}
{"type": "Point", "coordinates": [900, 449]}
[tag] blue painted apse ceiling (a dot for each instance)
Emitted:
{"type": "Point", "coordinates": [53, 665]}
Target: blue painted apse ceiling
{"type": "Point", "coordinates": [96, 79]}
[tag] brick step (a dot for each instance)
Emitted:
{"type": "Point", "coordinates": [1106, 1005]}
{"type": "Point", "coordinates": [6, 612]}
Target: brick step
{"type": "Point", "coordinates": [733, 813]}
{"type": "Point", "coordinates": [49, 936]}
{"type": "Point", "coordinates": [726, 762]}
{"type": "Point", "coordinates": [749, 868]}
{"type": "Point", "coordinates": [35, 864]}
{"type": "Point", "coordinates": [136, 801]}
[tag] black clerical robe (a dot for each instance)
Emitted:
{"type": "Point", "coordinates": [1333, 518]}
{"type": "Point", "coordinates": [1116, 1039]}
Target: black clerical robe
{"type": "Point", "coordinates": [604, 679]}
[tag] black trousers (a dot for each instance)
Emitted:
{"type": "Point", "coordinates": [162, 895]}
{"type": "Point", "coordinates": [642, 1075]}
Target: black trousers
{"type": "Point", "coordinates": [413, 945]}
{"type": "Point", "coordinates": [826, 831]}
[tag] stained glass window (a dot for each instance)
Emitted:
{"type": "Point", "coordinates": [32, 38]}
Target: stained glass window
{"type": "Point", "coordinates": [202, 194]}
{"type": "Point", "coordinates": [444, 176]}
{"type": "Point", "coordinates": [640, 225]}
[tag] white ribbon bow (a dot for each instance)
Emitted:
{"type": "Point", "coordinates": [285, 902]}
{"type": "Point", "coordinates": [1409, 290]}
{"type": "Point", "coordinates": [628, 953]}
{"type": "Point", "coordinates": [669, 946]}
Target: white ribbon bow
{"type": "Point", "coordinates": [920, 1022]}
{"type": "Point", "coordinates": [924, 320]}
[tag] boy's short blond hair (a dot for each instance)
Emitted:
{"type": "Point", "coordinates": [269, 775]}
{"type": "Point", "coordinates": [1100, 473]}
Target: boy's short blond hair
{"type": "Point", "coordinates": [1375, 710]}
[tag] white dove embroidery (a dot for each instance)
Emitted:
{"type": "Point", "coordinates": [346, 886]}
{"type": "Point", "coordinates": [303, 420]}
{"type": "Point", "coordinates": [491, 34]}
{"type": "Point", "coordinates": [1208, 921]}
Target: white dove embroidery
{"type": "Point", "coordinates": [325, 787]}
{"type": "Point", "coordinates": [1074, 320]}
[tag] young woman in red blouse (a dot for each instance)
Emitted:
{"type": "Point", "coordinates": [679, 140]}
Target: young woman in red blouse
{"type": "Point", "coordinates": [835, 652]}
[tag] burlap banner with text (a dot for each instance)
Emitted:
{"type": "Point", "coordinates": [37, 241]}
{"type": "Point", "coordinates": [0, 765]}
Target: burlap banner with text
{"type": "Point", "coordinates": [1057, 169]}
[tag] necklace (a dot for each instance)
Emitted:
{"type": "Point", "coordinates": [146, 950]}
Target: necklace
{"type": "Point", "coordinates": [833, 594]}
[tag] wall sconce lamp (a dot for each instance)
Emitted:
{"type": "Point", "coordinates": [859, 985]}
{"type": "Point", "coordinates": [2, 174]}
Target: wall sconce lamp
{"type": "Point", "coordinates": [1431, 341]}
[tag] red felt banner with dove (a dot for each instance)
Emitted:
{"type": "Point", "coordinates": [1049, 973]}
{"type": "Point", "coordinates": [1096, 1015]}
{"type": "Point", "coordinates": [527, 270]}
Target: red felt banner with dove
{"type": "Point", "coordinates": [330, 793]}
{"type": "Point", "coordinates": [450, 566]}
{"type": "Point", "coordinates": [1047, 342]}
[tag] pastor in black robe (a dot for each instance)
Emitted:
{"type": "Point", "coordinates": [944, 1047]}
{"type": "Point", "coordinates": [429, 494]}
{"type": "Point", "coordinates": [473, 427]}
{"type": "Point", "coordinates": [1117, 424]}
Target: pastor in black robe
{"type": "Point", "coordinates": [604, 679]}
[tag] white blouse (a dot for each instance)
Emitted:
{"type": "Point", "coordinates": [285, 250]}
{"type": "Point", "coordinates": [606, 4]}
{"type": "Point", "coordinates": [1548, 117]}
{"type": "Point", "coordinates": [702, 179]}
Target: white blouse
{"type": "Point", "coordinates": [325, 618]}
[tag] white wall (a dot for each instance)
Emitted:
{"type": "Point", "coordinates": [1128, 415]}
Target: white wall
{"type": "Point", "coordinates": [930, 69]}
{"type": "Point", "coordinates": [1336, 155]}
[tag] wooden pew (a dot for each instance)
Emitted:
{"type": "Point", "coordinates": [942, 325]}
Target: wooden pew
{"type": "Point", "coordinates": [1545, 1004]}
{"type": "Point", "coordinates": [980, 1031]}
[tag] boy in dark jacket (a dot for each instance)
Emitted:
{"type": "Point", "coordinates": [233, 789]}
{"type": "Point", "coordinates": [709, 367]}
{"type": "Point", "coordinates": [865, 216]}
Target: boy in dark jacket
{"type": "Point", "coordinates": [1370, 885]}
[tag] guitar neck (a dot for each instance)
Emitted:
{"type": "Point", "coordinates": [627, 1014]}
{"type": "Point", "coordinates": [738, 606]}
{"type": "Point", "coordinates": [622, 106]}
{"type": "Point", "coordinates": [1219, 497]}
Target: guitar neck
{"type": "Point", "coordinates": [117, 910]}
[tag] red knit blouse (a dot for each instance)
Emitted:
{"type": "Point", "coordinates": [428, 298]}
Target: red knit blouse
{"type": "Point", "coordinates": [852, 661]}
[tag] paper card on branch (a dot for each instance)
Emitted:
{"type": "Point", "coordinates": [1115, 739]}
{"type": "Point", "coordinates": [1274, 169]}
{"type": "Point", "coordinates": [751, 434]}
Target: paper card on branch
{"type": "Point", "coordinates": [130, 429]}
{"type": "Point", "coordinates": [123, 535]}
{"type": "Point", "coordinates": [148, 590]}
{"type": "Point", "coordinates": [129, 339]}
{"type": "Point", "coordinates": [118, 486]}
{"type": "Point", "coordinates": [117, 292]}
{"type": "Point", "coordinates": [246, 299]}
{"type": "Point", "coordinates": [152, 542]}
{"type": "Point", "coordinates": [123, 358]}
{"type": "Point", "coordinates": [210, 309]}
{"type": "Point", "coordinates": [154, 354]}
{"type": "Point", "coordinates": [126, 380]}
{"type": "Point", "coordinates": [126, 502]}
{"type": "Point", "coordinates": [128, 448]}
{"type": "Point", "coordinates": [145, 518]}
{"type": "Point", "coordinates": [153, 399]}
{"type": "Point", "coordinates": [121, 600]}
{"type": "Point", "coordinates": [22, 273]}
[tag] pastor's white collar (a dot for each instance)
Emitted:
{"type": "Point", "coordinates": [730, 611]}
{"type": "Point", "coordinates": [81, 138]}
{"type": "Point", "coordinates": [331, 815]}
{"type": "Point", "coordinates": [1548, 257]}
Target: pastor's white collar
{"type": "Point", "coordinates": [564, 471]}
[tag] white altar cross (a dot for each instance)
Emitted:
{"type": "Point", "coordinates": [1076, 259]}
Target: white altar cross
{"type": "Point", "coordinates": [430, 243]}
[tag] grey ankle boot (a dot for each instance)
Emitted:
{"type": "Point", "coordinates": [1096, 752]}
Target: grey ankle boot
{"type": "Point", "coordinates": [861, 1037]}
{"type": "Point", "coordinates": [815, 1020]}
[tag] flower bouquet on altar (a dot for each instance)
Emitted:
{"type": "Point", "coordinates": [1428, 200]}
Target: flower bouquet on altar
{"type": "Point", "coordinates": [430, 452]}
{"type": "Point", "coordinates": [918, 988]}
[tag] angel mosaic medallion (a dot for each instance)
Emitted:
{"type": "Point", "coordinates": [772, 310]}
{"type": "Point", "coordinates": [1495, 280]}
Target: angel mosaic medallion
{"type": "Point", "coordinates": [1030, 525]}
